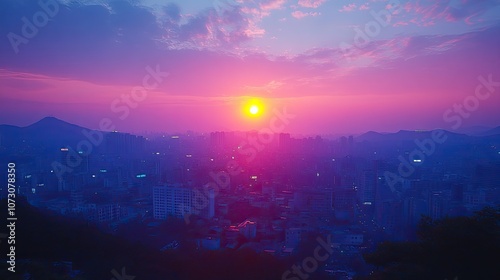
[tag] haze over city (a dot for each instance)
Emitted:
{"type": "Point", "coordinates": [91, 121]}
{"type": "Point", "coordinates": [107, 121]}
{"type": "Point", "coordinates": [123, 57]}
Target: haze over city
{"type": "Point", "coordinates": [249, 139]}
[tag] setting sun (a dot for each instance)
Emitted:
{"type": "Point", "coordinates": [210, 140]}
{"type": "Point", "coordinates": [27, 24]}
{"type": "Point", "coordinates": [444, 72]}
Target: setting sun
{"type": "Point", "coordinates": [254, 109]}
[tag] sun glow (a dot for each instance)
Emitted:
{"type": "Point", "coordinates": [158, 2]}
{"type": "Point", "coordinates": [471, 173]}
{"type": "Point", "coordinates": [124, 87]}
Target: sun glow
{"type": "Point", "coordinates": [254, 108]}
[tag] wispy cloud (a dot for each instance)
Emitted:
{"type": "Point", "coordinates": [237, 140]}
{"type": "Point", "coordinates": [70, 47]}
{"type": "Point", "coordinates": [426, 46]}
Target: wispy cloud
{"type": "Point", "coordinates": [268, 5]}
{"type": "Point", "coordinates": [449, 10]}
{"type": "Point", "coordinates": [311, 3]}
{"type": "Point", "coordinates": [300, 14]}
{"type": "Point", "coordinates": [348, 8]}
{"type": "Point", "coordinates": [364, 6]}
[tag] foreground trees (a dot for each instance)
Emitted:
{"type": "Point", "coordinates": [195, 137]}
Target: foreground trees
{"type": "Point", "coordinates": [451, 248]}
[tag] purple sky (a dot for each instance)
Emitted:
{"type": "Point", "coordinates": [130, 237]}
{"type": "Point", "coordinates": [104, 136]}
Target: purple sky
{"type": "Point", "coordinates": [338, 66]}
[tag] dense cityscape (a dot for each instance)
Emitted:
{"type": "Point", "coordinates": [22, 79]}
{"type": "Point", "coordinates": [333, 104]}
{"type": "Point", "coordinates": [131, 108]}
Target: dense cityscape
{"type": "Point", "coordinates": [272, 194]}
{"type": "Point", "coordinates": [249, 139]}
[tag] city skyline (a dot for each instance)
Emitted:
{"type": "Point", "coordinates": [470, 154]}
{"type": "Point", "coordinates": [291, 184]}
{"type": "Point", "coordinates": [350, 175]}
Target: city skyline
{"type": "Point", "coordinates": [466, 130]}
{"type": "Point", "coordinates": [250, 139]}
{"type": "Point", "coordinates": [188, 201]}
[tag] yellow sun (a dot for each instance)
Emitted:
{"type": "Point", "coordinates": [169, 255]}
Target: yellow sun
{"type": "Point", "coordinates": [254, 109]}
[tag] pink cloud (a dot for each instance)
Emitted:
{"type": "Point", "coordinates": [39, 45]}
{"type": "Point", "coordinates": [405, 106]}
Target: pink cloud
{"type": "Point", "coordinates": [364, 7]}
{"type": "Point", "coordinates": [421, 70]}
{"type": "Point", "coordinates": [46, 89]}
{"type": "Point", "coordinates": [311, 3]}
{"type": "Point", "coordinates": [271, 5]}
{"type": "Point", "coordinates": [300, 14]}
{"type": "Point", "coordinates": [348, 8]}
{"type": "Point", "coordinates": [400, 23]}
{"type": "Point", "coordinates": [451, 11]}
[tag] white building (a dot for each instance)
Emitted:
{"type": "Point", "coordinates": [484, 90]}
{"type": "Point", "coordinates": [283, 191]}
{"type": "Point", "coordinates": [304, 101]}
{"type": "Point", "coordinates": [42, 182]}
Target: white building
{"type": "Point", "coordinates": [178, 201]}
{"type": "Point", "coordinates": [171, 201]}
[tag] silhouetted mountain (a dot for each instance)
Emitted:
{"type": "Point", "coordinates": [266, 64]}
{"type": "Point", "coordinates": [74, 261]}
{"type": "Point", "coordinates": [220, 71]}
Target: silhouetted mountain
{"type": "Point", "coordinates": [55, 124]}
{"type": "Point", "coordinates": [473, 130]}
{"type": "Point", "coordinates": [370, 136]}
{"type": "Point", "coordinates": [47, 134]}
{"type": "Point", "coordinates": [408, 135]}
{"type": "Point", "coordinates": [6, 129]}
{"type": "Point", "coordinates": [494, 131]}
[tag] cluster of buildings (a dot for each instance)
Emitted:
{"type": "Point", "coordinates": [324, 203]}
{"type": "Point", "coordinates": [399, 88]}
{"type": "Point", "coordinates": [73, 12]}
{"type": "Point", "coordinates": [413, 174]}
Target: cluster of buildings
{"type": "Point", "coordinates": [285, 195]}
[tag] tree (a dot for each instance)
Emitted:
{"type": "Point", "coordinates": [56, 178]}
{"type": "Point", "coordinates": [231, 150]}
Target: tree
{"type": "Point", "coordinates": [460, 247]}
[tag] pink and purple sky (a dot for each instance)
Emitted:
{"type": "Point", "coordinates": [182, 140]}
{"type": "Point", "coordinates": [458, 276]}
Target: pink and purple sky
{"type": "Point", "coordinates": [339, 66]}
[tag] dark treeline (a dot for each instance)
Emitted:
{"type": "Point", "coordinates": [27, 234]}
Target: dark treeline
{"type": "Point", "coordinates": [451, 248]}
{"type": "Point", "coordinates": [43, 238]}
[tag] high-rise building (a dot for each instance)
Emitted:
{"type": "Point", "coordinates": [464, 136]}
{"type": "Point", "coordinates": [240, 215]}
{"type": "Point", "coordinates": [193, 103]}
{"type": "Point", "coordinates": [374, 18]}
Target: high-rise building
{"type": "Point", "coordinates": [178, 201]}
{"type": "Point", "coordinates": [344, 203]}
{"type": "Point", "coordinates": [368, 187]}
{"type": "Point", "coordinates": [248, 229]}
{"type": "Point", "coordinates": [293, 236]}
{"type": "Point", "coordinates": [315, 202]}
{"type": "Point", "coordinates": [437, 205]}
{"type": "Point", "coordinates": [284, 141]}
{"type": "Point", "coordinates": [171, 201]}
{"type": "Point", "coordinates": [217, 139]}
{"type": "Point", "coordinates": [117, 143]}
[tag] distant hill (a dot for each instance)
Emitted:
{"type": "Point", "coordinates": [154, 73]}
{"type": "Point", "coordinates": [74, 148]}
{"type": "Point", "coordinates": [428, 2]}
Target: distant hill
{"type": "Point", "coordinates": [47, 134]}
{"type": "Point", "coordinates": [493, 131]}
{"type": "Point", "coordinates": [473, 130]}
{"type": "Point", "coordinates": [53, 125]}
{"type": "Point", "coordinates": [370, 136]}
{"type": "Point", "coordinates": [407, 135]}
